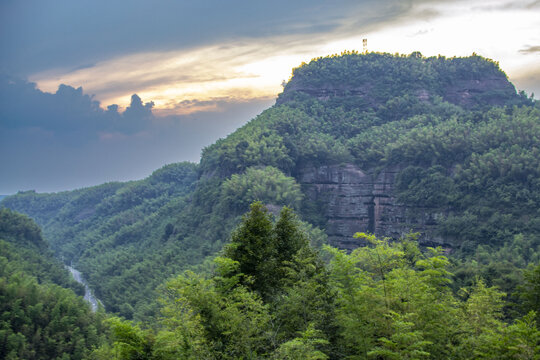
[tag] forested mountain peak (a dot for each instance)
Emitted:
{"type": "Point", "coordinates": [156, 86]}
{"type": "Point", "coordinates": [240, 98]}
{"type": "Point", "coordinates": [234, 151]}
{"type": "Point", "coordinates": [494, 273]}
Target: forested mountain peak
{"type": "Point", "coordinates": [386, 143]}
{"type": "Point", "coordinates": [407, 150]}
{"type": "Point", "coordinates": [375, 78]}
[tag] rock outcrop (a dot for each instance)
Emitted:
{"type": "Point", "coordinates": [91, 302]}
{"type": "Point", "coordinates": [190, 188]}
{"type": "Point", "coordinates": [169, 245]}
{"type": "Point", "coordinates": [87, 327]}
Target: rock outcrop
{"type": "Point", "coordinates": [470, 82]}
{"type": "Point", "coordinates": [492, 91]}
{"type": "Point", "coordinates": [356, 200]}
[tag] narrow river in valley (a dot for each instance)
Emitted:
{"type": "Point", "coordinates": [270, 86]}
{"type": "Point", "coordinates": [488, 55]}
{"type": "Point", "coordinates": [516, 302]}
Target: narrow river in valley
{"type": "Point", "coordinates": [88, 295]}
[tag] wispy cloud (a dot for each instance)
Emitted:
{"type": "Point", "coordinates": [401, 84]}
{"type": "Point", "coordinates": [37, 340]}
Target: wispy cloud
{"type": "Point", "coordinates": [498, 5]}
{"type": "Point", "coordinates": [530, 49]}
{"type": "Point", "coordinates": [38, 35]}
{"type": "Point", "coordinates": [234, 71]}
{"type": "Point", "coordinates": [252, 66]}
{"type": "Point", "coordinates": [529, 79]}
{"type": "Point", "coordinates": [249, 65]}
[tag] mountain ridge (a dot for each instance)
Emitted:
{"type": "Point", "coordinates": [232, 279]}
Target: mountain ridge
{"type": "Point", "coordinates": [446, 170]}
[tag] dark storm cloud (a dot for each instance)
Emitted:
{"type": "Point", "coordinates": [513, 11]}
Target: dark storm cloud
{"type": "Point", "coordinates": [67, 112]}
{"type": "Point", "coordinates": [38, 35]}
{"type": "Point", "coordinates": [86, 145]}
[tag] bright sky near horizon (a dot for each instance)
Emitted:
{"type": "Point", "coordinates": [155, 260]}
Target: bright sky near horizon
{"type": "Point", "coordinates": [209, 66]}
{"type": "Point", "coordinates": [251, 68]}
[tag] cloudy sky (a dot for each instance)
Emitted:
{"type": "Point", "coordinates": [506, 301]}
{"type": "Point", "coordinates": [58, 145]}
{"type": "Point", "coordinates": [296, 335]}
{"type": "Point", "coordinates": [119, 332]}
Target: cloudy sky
{"type": "Point", "coordinates": [200, 70]}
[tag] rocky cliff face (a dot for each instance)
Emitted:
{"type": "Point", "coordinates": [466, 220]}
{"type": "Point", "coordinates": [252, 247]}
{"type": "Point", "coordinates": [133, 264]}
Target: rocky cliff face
{"type": "Point", "coordinates": [356, 200]}
{"type": "Point", "coordinates": [492, 91]}
{"type": "Point", "coordinates": [373, 79]}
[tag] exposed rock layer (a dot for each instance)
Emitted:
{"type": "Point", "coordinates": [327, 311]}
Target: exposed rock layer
{"type": "Point", "coordinates": [356, 200]}
{"type": "Point", "coordinates": [492, 91]}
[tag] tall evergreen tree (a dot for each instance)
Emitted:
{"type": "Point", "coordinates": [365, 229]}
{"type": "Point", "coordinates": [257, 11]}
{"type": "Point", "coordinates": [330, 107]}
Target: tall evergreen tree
{"type": "Point", "coordinates": [252, 246]}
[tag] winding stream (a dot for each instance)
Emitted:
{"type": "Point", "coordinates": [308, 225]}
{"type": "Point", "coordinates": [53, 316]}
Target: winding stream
{"type": "Point", "coordinates": [88, 295]}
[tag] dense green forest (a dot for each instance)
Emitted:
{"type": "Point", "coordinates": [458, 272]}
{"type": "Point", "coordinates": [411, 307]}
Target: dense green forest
{"type": "Point", "coordinates": [41, 315]}
{"type": "Point", "coordinates": [466, 145]}
{"type": "Point", "coordinates": [126, 227]}
{"type": "Point", "coordinates": [270, 295]}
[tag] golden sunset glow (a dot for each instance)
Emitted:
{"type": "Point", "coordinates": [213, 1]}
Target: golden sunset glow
{"type": "Point", "coordinates": [193, 80]}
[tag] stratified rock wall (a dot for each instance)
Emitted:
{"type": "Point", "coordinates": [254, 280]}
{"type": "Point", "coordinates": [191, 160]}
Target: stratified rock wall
{"type": "Point", "coordinates": [357, 200]}
{"type": "Point", "coordinates": [493, 91]}
{"type": "Point", "coordinates": [465, 86]}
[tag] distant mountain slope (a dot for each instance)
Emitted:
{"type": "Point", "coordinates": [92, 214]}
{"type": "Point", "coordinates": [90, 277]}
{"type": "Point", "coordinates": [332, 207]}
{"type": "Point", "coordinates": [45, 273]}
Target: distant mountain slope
{"type": "Point", "coordinates": [22, 239]}
{"type": "Point", "coordinates": [357, 142]}
{"type": "Point", "coordinates": [387, 144]}
{"type": "Point", "coordinates": [117, 229]}
{"type": "Point", "coordinates": [40, 317]}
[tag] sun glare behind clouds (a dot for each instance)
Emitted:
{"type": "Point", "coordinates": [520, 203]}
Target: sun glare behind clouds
{"type": "Point", "coordinates": [196, 80]}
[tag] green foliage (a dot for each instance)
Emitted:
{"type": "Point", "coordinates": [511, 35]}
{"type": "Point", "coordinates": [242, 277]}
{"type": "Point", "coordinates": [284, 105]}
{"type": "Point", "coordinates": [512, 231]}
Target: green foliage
{"type": "Point", "coordinates": [21, 243]}
{"type": "Point", "coordinates": [504, 268]}
{"type": "Point", "coordinates": [252, 246]}
{"type": "Point", "coordinates": [233, 323]}
{"type": "Point", "coordinates": [127, 233]}
{"type": "Point", "coordinates": [44, 321]}
{"type": "Point", "coordinates": [21, 230]}
{"type": "Point", "coordinates": [250, 145]}
{"type": "Point", "coordinates": [263, 251]}
{"type": "Point", "coordinates": [521, 340]}
{"type": "Point", "coordinates": [395, 302]}
{"type": "Point", "coordinates": [306, 299]}
{"type": "Point", "coordinates": [268, 185]}
{"type": "Point", "coordinates": [119, 235]}
{"type": "Point", "coordinates": [379, 77]}
{"type": "Point", "coordinates": [303, 347]}
{"type": "Point", "coordinates": [404, 343]}
{"type": "Point", "coordinates": [467, 160]}
{"type": "Point", "coordinates": [224, 316]}
{"type": "Point", "coordinates": [38, 318]}
{"type": "Point", "coordinates": [430, 188]}
{"type": "Point", "coordinates": [129, 341]}
{"type": "Point", "coordinates": [529, 291]}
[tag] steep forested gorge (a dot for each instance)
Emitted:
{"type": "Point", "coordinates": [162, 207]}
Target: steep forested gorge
{"type": "Point", "coordinates": [42, 315]}
{"type": "Point", "coordinates": [356, 143]}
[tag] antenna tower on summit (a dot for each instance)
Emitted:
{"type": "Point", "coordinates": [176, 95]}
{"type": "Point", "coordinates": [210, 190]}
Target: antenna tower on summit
{"type": "Point", "coordinates": [364, 43]}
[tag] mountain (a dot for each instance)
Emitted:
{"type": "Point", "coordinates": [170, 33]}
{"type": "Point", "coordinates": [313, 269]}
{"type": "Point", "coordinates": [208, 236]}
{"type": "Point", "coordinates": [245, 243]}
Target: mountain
{"type": "Point", "coordinates": [22, 239]}
{"type": "Point", "coordinates": [120, 232]}
{"type": "Point", "coordinates": [387, 144]}
{"type": "Point", "coordinates": [355, 143]}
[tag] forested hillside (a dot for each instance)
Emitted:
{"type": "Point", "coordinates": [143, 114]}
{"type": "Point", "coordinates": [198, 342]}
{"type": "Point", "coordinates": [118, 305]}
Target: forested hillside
{"type": "Point", "coordinates": [41, 317]}
{"type": "Point", "coordinates": [372, 142]}
{"type": "Point", "coordinates": [270, 296]}
{"type": "Point", "coordinates": [119, 235]}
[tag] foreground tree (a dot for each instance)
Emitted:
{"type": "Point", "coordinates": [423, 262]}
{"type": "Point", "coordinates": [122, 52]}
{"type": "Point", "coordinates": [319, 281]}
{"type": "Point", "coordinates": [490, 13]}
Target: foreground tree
{"type": "Point", "coordinates": [394, 302]}
{"type": "Point", "coordinates": [270, 296]}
